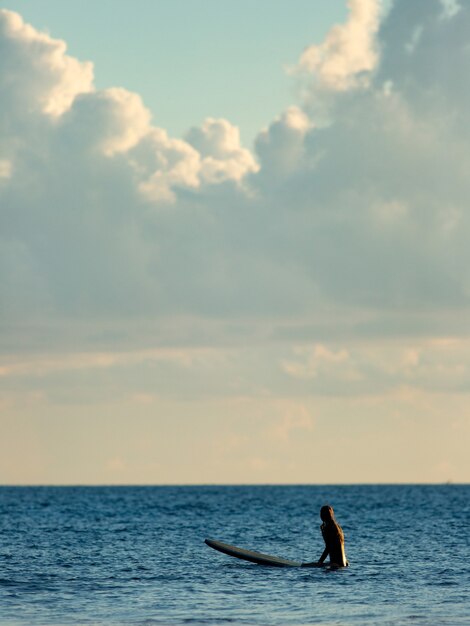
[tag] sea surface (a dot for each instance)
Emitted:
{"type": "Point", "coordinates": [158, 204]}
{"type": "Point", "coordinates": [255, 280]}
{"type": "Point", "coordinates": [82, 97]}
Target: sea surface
{"type": "Point", "coordinates": [136, 555]}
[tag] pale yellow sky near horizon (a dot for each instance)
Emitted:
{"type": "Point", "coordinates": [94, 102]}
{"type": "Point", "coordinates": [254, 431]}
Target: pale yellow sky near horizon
{"type": "Point", "coordinates": [204, 431]}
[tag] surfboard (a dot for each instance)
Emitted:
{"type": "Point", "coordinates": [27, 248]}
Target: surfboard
{"type": "Point", "coordinates": [255, 557]}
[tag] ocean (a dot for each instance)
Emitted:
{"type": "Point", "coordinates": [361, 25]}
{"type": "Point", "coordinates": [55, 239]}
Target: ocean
{"type": "Point", "coordinates": [136, 555]}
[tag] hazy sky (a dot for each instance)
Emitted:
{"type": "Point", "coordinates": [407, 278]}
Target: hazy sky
{"type": "Point", "coordinates": [234, 241]}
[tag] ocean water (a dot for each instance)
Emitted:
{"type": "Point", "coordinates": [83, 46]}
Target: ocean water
{"type": "Point", "coordinates": [136, 555]}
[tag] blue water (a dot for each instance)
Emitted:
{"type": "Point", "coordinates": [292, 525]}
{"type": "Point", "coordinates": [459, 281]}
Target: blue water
{"type": "Point", "coordinates": [135, 555]}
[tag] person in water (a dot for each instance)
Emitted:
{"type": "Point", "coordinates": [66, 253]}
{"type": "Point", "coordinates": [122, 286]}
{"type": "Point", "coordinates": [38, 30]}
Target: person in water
{"type": "Point", "coordinates": [334, 540]}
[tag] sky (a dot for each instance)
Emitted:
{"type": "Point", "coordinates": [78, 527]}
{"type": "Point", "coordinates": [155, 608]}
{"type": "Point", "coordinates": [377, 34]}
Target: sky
{"type": "Point", "coordinates": [234, 242]}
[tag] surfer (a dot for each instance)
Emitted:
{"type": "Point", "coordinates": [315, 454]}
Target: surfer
{"type": "Point", "coordinates": [334, 540]}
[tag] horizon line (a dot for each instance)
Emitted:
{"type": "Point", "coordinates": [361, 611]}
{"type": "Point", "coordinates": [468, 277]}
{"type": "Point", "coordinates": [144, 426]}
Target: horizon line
{"type": "Point", "coordinates": [449, 483]}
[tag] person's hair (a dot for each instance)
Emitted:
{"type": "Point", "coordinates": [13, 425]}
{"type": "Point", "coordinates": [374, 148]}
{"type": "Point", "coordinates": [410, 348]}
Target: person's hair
{"type": "Point", "coordinates": [328, 516]}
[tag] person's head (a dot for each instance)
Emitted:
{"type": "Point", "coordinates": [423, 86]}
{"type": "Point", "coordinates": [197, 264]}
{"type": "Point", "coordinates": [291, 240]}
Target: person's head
{"type": "Point", "coordinates": [328, 517]}
{"type": "Point", "coordinates": [327, 514]}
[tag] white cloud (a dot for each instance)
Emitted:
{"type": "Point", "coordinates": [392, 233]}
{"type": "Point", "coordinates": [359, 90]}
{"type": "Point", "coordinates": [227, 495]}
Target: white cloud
{"type": "Point", "coordinates": [111, 121]}
{"type": "Point", "coordinates": [35, 71]}
{"type": "Point", "coordinates": [349, 52]}
{"type": "Point", "coordinates": [281, 147]}
{"type": "Point", "coordinates": [365, 218]}
{"type": "Point", "coordinates": [163, 164]}
{"type": "Point", "coordinates": [210, 155]}
{"type": "Point", "coordinates": [222, 156]}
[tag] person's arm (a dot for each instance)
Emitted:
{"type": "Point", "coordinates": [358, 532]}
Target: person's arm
{"type": "Point", "coordinates": [318, 563]}
{"type": "Point", "coordinates": [324, 555]}
{"type": "Point", "coordinates": [326, 551]}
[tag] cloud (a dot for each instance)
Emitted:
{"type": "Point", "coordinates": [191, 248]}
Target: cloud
{"type": "Point", "coordinates": [376, 201]}
{"type": "Point", "coordinates": [294, 292]}
{"type": "Point", "coordinates": [81, 171]}
{"type": "Point", "coordinates": [359, 225]}
{"type": "Point", "coordinates": [281, 147]}
{"type": "Point", "coordinates": [349, 52]}
{"type": "Point", "coordinates": [43, 365]}
{"type": "Point", "coordinates": [36, 74]}
{"type": "Point", "coordinates": [373, 369]}
{"type": "Point", "coordinates": [111, 121]}
{"type": "Point", "coordinates": [223, 158]}
{"type": "Point", "coordinates": [319, 358]}
{"type": "Point", "coordinates": [163, 165]}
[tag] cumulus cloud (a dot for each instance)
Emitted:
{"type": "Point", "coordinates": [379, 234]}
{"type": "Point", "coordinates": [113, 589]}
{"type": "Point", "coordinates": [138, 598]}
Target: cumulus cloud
{"type": "Point", "coordinates": [223, 158]}
{"type": "Point", "coordinates": [36, 74]}
{"type": "Point", "coordinates": [105, 215]}
{"type": "Point", "coordinates": [48, 97]}
{"type": "Point", "coordinates": [79, 170]}
{"type": "Point", "coordinates": [281, 147]}
{"type": "Point", "coordinates": [111, 121]}
{"type": "Point", "coordinates": [163, 164]}
{"type": "Point", "coordinates": [349, 52]}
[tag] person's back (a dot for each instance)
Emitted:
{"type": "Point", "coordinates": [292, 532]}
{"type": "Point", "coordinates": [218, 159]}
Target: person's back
{"type": "Point", "coordinates": [334, 538]}
{"type": "Point", "coordinates": [334, 543]}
